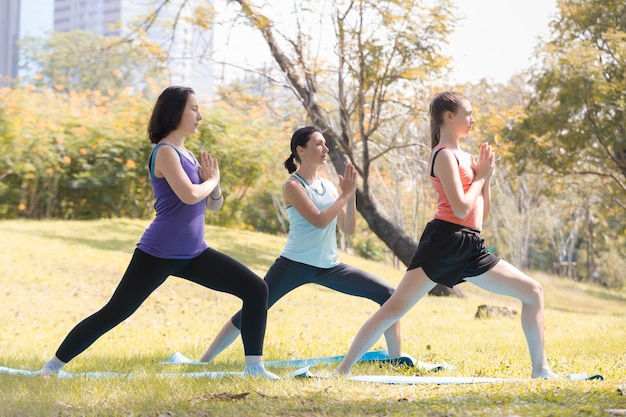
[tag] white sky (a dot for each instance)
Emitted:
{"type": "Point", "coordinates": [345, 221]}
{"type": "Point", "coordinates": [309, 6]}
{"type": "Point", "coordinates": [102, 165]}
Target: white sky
{"type": "Point", "coordinates": [496, 38]}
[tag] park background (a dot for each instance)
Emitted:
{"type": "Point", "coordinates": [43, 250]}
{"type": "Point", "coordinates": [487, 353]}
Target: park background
{"type": "Point", "coordinates": [73, 148]}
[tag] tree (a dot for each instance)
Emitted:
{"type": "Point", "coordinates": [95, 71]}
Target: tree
{"type": "Point", "coordinates": [91, 161]}
{"type": "Point", "coordinates": [369, 95]}
{"type": "Point", "coordinates": [576, 123]}
{"type": "Point", "coordinates": [81, 61]}
{"type": "Point", "coordinates": [249, 142]}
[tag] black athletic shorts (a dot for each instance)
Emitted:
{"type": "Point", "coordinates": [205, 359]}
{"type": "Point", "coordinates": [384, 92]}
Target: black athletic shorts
{"type": "Point", "coordinates": [448, 253]}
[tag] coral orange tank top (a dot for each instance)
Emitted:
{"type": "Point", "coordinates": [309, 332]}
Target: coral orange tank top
{"type": "Point", "coordinates": [474, 219]}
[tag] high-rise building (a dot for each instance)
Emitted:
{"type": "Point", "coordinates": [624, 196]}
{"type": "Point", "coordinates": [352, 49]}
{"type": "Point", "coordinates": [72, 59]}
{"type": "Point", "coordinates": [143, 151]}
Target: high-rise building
{"type": "Point", "coordinates": [101, 17]}
{"type": "Point", "coordinates": [18, 19]}
{"type": "Point", "coordinates": [109, 18]}
{"type": "Point", "coordinates": [9, 33]}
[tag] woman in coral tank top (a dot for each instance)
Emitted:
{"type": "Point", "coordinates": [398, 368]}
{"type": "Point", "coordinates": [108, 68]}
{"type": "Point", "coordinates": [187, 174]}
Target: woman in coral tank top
{"type": "Point", "coordinates": [451, 249]}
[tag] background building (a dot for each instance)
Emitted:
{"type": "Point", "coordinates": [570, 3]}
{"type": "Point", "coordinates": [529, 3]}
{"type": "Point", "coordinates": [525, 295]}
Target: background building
{"type": "Point", "coordinates": [9, 33]}
{"type": "Point", "coordinates": [98, 16]}
{"type": "Point", "coordinates": [18, 19]}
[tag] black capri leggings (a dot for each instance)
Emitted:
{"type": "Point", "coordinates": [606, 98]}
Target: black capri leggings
{"type": "Point", "coordinates": [286, 275]}
{"type": "Point", "coordinates": [146, 273]}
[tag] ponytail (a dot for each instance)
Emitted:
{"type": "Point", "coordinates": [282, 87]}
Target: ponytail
{"type": "Point", "coordinates": [435, 133]}
{"type": "Point", "coordinates": [443, 102]}
{"type": "Point", "coordinates": [299, 138]}
{"type": "Point", "coordinates": [290, 164]}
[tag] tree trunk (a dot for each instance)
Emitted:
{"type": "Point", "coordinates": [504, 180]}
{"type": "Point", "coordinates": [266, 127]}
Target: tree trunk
{"type": "Point", "coordinates": [304, 87]}
{"type": "Point", "coordinates": [395, 238]}
{"type": "Point", "coordinates": [591, 252]}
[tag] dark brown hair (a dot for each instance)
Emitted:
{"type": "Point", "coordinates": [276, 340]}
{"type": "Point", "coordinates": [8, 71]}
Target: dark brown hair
{"type": "Point", "coordinates": [167, 112]}
{"type": "Point", "coordinates": [299, 138]}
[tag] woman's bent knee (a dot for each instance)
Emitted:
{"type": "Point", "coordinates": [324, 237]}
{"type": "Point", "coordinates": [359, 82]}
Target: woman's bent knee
{"type": "Point", "coordinates": [258, 289]}
{"type": "Point", "coordinates": [535, 294]}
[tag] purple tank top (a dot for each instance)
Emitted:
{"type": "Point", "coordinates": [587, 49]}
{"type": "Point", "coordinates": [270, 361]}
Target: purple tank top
{"type": "Point", "coordinates": [177, 232]}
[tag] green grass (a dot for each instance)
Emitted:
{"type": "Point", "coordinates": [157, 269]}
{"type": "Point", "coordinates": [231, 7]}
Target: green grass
{"type": "Point", "coordinates": [55, 273]}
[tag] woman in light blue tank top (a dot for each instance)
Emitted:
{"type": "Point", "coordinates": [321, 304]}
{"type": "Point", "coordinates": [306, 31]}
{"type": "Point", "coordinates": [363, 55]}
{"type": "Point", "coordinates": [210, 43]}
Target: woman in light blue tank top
{"type": "Point", "coordinates": [173, 243]}
{"type": "Point", "coordinates": [315, 209]}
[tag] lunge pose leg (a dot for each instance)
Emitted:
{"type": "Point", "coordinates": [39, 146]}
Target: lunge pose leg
{"type": "Point", "coordinates": [315, 209]}
{"type": "Point", "coordinates": [173, 244]}
{"type": "Point", "coordinates": [451, 249]}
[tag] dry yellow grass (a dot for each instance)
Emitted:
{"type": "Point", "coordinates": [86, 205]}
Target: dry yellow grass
{"type": "Point", "coordinates": [54, 273]}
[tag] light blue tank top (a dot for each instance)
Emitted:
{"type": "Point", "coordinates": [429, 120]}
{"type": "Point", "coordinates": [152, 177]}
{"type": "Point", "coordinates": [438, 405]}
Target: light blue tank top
{"type": "Point", "coordinates": [306, 243]}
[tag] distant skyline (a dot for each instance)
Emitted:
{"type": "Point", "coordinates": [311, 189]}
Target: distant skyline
{"type": "Point", "coordinates": [39, 18]}
{"type": "Point", "coordinates": [494, 39]}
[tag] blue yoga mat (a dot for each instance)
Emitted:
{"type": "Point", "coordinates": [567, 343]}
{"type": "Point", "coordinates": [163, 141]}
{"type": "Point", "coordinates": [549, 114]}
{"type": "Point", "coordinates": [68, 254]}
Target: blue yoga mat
{"type": "Point", "coordinates": [373, 356]}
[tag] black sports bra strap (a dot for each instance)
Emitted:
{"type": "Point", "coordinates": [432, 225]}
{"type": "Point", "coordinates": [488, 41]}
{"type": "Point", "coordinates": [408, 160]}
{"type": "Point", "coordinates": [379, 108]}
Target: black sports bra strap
{"type": "Point", "coordinates": [432, 165]}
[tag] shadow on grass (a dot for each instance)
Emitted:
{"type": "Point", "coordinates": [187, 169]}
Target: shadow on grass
{"type": "Point", "coordinates": [123, 236]}
{"type": "Point", "coordinates": [126, 233]}
{"type": "Point", "coordinates": [254, 255]}
{"type": "Point", "coordinates": [603, 294]}
{"type": "Point", "coordinates": [113, 244]}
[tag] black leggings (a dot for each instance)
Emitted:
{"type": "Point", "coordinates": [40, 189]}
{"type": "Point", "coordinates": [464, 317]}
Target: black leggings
{"type": "Point", "coordinates": [146, 273]}
{"type": "Point", "coordinates": [286, 275]}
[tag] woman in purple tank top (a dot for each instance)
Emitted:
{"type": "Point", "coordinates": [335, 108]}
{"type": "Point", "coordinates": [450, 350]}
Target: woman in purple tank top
{"type": "Point", "coordinates": [173, 244]}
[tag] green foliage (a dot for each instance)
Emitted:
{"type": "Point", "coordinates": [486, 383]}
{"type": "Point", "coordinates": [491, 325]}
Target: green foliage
{"type": "Point", "coordinates": [572, 133]}
{"type": "Point", "coordinates": [81, 60]}
{"type": "Point", "coordinates": [611, 265]}
{"type": "Point", "coordinates": [77, 158]}
{"type": "Point", "coordinates": [369, 247]}
{"type": "Point", "coordinates": [91, 161]}
{"type": "Point", "coordinates": [107, 177]}
{"type": "Point", "coordinates": [260, 212]}
{"type": "Point", "coordinates": [576, 122]}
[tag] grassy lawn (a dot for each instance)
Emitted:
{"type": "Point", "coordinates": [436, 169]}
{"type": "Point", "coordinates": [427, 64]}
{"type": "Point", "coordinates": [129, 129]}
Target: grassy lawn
{"type": "Point", "coordinates": [55, 273]}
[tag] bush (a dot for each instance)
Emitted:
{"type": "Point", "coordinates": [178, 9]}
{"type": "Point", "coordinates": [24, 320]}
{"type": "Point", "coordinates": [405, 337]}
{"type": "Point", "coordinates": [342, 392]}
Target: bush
{"type": "Point", "coordinates": [369, 247]}
{"type": "Point", "coordinates": [611, 265]}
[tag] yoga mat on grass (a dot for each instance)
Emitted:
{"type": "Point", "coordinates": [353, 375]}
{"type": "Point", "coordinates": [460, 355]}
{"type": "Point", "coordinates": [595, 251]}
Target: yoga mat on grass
{"type": "Point", "coordinates": [300, 373]}
{"type": "Point", "coordinates": [373, 356]}
{"type": "Point", "coordinates": [438, 380]}
{"type": "Point", "coordinates": [408, 380]}
{"type": "Point", "coordinates": [98, 375]}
